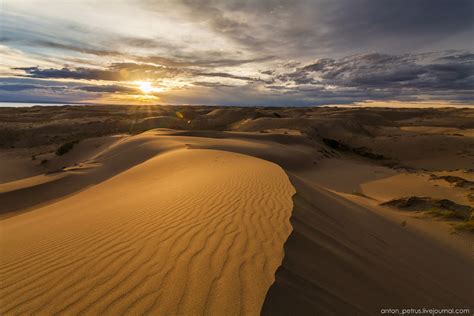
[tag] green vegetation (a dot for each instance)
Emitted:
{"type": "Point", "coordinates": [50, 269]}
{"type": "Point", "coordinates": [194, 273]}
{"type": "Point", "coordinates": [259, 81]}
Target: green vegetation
{"type": "Point", "coordinates": [442, 208]}
{"type": "Point", "coordinates": [456, 181]}
{"type": "Point", "coordinates": [446, 209]}
{"type": "Point", "coordinates": [467, 223]}
{"type": "Point", "coordinates": [65, 148]}
{"type": "Point", "coordinates": [449, 214]}
{"type": "Point", "coordinates": [470, 197]}
{"type": "Point", "coordinates": [467, 226]}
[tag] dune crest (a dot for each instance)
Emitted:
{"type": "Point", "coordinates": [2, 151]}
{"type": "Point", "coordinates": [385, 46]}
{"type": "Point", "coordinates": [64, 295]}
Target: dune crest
{"type": "Point", "coordinates": [148, 212]}
{"type": "Point", "coordinates": [188, 231]}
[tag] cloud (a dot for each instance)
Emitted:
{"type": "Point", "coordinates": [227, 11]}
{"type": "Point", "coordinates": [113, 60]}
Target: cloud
{"type": "Point", "coordinates": [270, 51]}
{"type": "Point", "coordinates": [180, 61]}
{"type": "Point", "coordinates": [116, 72]}
{"type": "Point", "coordinates": [108, 89]}
{"type": "Point", "coordinates": [462, 57]}
{"type": "Point", "coordinates": [383, 71]}
{"type": "Point", "coordinates": [225, 75]}
{"type": "Point", "coordinates": [326, 27]}
{"type": "Point", "coordinates": [125, 72]}
{"type": "Point", "coordinates": [63, 88]}
{"type": "Point", "coordinates": [200, 61]}
{"type": "Point", "coordinates": [75, 48]}
{"type": "Point", "coordinates": [443, 76]}
{"type": "Point", "coordinates": [19, 87]}
{"type": "Point", "coordinates": [211, 84]}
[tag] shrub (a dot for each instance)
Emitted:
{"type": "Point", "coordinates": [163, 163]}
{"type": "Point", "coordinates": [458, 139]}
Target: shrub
{"type": "Point", "coordinates": [467, 226]}
{"type": "Point", "coordinates": [65, 148]}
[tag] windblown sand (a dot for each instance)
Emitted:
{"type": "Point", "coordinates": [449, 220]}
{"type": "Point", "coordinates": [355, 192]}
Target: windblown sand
{"type": "Point", "coordinates": [187, 232]}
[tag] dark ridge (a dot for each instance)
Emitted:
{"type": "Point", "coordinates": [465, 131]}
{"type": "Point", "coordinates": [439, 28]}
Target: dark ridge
{"type": "Point", "coordinates": [456, 181]}
{"type": "Point", "coordinates": [361, 151]}
{"type": "Point", "coordinates": [437, 207]}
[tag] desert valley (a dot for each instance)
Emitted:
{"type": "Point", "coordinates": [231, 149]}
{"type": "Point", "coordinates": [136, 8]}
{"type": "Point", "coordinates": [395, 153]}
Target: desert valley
{"type": "Point", "coordinates": [235, 210]}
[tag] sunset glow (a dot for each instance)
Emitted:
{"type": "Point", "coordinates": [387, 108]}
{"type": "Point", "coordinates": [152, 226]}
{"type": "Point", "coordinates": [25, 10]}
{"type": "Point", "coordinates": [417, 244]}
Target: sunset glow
{"type": "Point", "coordinates": [145, 86]}
{"type": "Point", "coordinates": [225, 52]}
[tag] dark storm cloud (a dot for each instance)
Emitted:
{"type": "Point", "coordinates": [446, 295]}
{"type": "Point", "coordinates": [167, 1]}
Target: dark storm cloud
{"type": "Point", "coordinates": [295, 28]}
{"type": "Point", "coordinates": [19, 87]}
{"type": "Point", "coordinates": [66, 73]}
{"type": "Point", "coordinates": [458, 58]}
{"type": "Point", "coordinates": [108, 89]}
{"type": "Point", "coordinates": [401, 17]}
{"type": "Point", "coordinates": [445, 75]}
{"type": "Point", "coordinates": [124, 72]}
{"type": "Point", "coordinates": [116, 72]}
{"type": "Point", "coordinates": [14, 89]}
{"type": "Point", "coordinates": [382, 71]}
{"type": "Point", "coordinates": [88, 88]}
{"type": "Point", "coordinates": [415, 22]}
{"type": "Point", "coordinates": [17, 84]}
{"type": "Point", "coordinates": [225, 75]}
{"type": "Point", "coordinates": [211, 84]}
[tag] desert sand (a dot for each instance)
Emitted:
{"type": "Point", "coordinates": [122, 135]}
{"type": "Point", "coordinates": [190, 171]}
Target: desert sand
{"type": "Point", "coordinates": [187, 231]}
{"type": "Point", "coordinates": [227, 211]}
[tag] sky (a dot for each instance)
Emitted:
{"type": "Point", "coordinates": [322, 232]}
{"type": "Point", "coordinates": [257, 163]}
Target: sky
{"type": "Point", "coordinates": [237, 52]}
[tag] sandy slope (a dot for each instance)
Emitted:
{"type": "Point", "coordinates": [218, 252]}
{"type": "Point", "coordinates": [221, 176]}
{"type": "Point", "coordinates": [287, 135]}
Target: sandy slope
{"type": "Point", "coordinates": [124, 153]}
{"type": "Point", "coordinates": [414, 185]}
{"type": "Point", "coordinates": [188, 231]}
{"type": "Point", "coordinates": [113, 246]}
{"type": "Point", "coordinates": [124, 226]}
{"type": "Point", "coordinates": [344, 258]}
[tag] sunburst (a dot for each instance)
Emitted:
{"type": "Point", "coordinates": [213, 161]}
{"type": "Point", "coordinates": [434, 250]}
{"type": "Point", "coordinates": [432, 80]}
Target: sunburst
{"type": "Point", "coordinates": [145, 86]}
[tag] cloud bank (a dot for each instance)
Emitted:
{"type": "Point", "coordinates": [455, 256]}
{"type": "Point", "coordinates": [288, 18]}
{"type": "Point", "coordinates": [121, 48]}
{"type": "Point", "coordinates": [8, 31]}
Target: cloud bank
{"type": "Point", "coordinates": [235, 52]}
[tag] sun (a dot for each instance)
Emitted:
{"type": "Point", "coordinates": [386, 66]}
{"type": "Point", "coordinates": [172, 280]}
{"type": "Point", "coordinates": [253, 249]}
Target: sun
{"type": "Point", "coordinates": [145, 86]}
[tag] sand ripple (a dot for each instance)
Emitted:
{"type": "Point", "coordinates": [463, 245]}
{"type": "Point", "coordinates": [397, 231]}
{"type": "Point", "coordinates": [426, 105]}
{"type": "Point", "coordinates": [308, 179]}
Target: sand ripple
{"type": "Point", "coordinates": [187, 232]}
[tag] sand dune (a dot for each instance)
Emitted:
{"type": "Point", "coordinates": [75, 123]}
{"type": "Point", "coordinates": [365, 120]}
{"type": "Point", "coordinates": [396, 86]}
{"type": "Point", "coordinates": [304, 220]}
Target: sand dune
{"type": "Point", "coordinates": [188, 231]}
{"type": "Point", "coordinates": [124, 153]}
{"type": "Point", "coordinates": [203, 219]}
{"type": "Point", "coordinates": [407, 184]}
{"type": "Point", "coordinates": [345, 258]}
